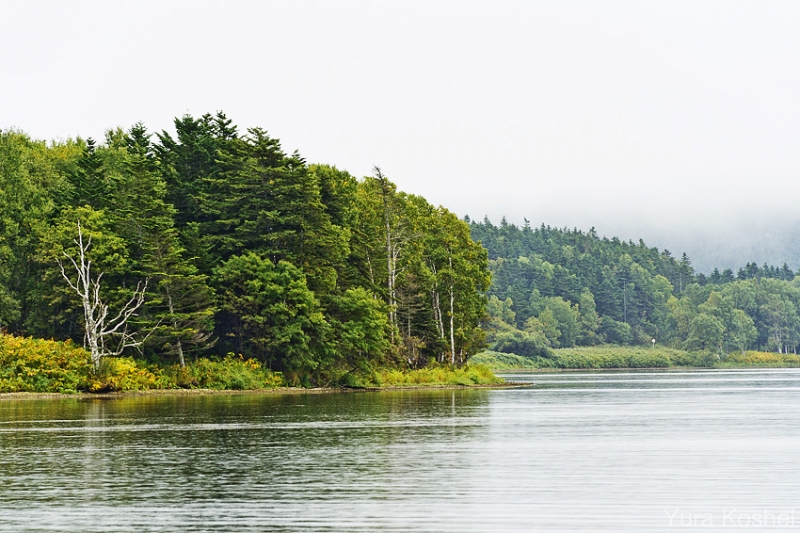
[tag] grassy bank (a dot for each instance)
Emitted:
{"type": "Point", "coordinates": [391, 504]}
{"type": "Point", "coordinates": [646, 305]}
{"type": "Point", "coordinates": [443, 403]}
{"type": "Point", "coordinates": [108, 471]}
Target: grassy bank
{"type": "Point", "coordinates": [42, 366]}
{"type": "Point", "coordinates": [600, 357]}
{"type": "Point", "coordinates": [472, 374]}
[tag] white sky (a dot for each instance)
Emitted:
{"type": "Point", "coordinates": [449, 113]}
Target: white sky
{"type": "Point", "coordinates": [653, 119]}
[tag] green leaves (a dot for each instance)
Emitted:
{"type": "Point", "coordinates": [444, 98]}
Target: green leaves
{"type": "Point", "coordinates": [705, 333]}
{"type": "Point", "coordinates": [272, 312]}
{"type": "Point", "coordinates": [315, 271]}
{"type": "Point", "coordinates": [29, 182]}
{"type": "Point", "coordinates": [361, 328]}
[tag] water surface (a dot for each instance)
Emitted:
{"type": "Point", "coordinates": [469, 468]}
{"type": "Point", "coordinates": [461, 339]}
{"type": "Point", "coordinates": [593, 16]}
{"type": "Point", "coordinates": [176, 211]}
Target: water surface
{"type": "Point", "coordinates": [644, 451]}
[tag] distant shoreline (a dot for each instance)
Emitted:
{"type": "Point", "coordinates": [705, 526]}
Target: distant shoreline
{"type": "Point", "coordinates": [529, 370]}
{"type": "Point", "coordinates": [11, 396]}
{"type": "Point", "coordinates": [632, 358]}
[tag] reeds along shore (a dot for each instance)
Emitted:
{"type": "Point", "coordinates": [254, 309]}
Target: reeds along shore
{"type": "Point", "coordinates": [622, 357]}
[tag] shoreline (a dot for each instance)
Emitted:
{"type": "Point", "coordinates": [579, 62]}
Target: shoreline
{"type": "Point", "coordinates": [10, 396]}
{"type": "Point", "coordinates": [528, 370]}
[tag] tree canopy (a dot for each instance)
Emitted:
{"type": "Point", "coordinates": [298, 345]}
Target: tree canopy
{"type": "Point", "coordinates": [247, 249]}
{"type": "Point", "coordinates": [559, 287]}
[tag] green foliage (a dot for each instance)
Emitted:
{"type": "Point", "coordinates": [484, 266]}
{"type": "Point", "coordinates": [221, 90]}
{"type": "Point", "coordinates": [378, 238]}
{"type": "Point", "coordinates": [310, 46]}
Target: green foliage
{"type": "Point", "coordinates": [705, 332]}
{"type": "Point", "coordinates": [610, 280]}
{"type": "Point", "coordinates": [588, 320]}
{"type": "Point", "coordinates": [619, 357]}
{"type": "Point", "coordinates": [626, 293]}
{"type": "Point", "coordinates": [246, 248]}
{"type": "Point", "coordinates": [741, 330]}
{"type": "Point", "coordinates": [615, 332]}
{"type": "Point", "coordinates": [36, 365]}
{"type": "Point", "coordinates": [125, 374]}
{"type": "Point", "coordinates": [562, 318]}
{"type": "Point", "coordinates": [275, 316]}
{"type": "Point", "coordinates": [601, 357]}
{"type": "Point", "coordinates": [314, 272]}
{"type": "Point", "coordinates": [230, 373]}
{"type": "Point", "coordinates": [361, 328]}
{"type": "Point", "coordinates": [762, 359]}
{"type": "Point", "coordinates": [435, 375]}
{"type": "Point", "coordinates": [501, 310]}
{"type": "Point", "coordinates": [530, 342]}
{"type": "Point", "coordinates": [504, 361]}
{"type": "Point", "coordinates": [504, 336]}
{"type": "Point", "coordinates": [422, 262]}
{"type": "Point", "coordinates": [30, 186]}
{"type": "Point", "coordinates": [58, 312]}
{"type": "Point", "coordinates": [613, 357]}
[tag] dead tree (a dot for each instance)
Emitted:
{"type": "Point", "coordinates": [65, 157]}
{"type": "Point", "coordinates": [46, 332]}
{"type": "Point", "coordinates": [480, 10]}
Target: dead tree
{"type": "Point", "coordinates": [393, 247]}
{"type": "Point", "coordinates": [103, 337]}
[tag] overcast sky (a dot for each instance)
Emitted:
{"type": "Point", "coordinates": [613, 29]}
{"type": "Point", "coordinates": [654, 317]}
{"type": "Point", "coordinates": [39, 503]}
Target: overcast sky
{"type": "Point", "coordinates": [675, 121]}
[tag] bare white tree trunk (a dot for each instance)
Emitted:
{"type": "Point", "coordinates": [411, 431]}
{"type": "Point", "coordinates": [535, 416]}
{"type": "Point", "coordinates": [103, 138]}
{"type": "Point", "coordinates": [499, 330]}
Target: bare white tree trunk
{"type": "Point", "coordinates": [452, 315]}
{"type": "Point", "coordinates": [437, 310]}
{"type": "Point", "coordinates": [392, 251]}
{"type": "Point", "coordinates": [438, 316]}
{"type": "Point", "coordinates": [389, 255]}
{"type": "Point", "coordinates": [394, 272]}
{"type": "Point", "coordinates": [369, 264]}
{"type": "Point", "coordinates": [99, 329]}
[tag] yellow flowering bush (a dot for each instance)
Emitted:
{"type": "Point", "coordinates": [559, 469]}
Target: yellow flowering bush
{"type": "Point", "coordinates": [38, 365]}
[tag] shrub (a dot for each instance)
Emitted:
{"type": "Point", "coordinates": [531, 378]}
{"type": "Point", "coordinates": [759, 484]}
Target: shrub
{"type": "Point", "coordinates": [611, 356]}
{"type": "Point", "coordinates": [753, 358]}
{"type": "Point", "coordinates": [124, 374]}
{"type": "Point", "coordinates": [436, 375]}
{"type": "Point", "coordinates": [522, 343]}
{"type": "Point", "coordinates": [37, 365]}
{"type": "Point", "coordinates": [234, 372]}
{"type": "Point", "coordinates": [599, 357]}
{"type": "Point", "coordinates": [507, 361]}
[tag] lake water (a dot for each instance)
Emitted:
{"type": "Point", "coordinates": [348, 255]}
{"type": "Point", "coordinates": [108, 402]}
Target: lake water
{"type": "Point", "coordinates": [616, 452]}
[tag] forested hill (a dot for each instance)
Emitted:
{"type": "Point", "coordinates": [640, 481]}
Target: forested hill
{"type": "Point", "coordinates": [244, 247]}
{"type": "Point", "coordinates": [558, 287]}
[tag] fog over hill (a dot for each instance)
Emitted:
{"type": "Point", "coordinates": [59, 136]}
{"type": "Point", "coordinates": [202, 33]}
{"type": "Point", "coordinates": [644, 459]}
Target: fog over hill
{"type": "Point", "coordinates": [675, 122]}
{"type": "Point", "coordinates": [717, 242]}
{"type": "Point", "coordinates": [719, 248]}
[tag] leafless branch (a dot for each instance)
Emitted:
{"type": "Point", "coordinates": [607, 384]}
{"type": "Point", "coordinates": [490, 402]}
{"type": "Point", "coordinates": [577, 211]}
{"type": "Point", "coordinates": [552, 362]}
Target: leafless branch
{"type": "Point", "coordinates": [98, 329]}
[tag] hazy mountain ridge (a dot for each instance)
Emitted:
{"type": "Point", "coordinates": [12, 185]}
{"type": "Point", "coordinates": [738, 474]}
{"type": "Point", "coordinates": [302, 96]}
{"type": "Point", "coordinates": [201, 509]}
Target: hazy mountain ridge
{"type": "Point", "coordinates": [718, 243]}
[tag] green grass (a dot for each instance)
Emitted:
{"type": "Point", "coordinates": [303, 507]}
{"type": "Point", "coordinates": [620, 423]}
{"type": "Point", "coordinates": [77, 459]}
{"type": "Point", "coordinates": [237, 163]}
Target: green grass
{"type": "Point", "coordinates": [609, 356]}
{"type": "Point", "coordinates": [503, 361]}
{"type": "Point", "coordinates": [469, 375]}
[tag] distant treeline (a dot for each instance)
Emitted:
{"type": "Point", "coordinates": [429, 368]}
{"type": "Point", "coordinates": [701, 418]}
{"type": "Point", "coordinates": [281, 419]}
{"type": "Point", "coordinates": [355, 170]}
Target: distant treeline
{"type": "Point", "coordinates": [560, 288]}
{"type": "Point", "coordinates": [245, 249]}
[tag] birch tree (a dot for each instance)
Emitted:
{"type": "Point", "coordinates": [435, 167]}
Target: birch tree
{"type": "Point", "coordinates": [104, 336]}
{"type": "Point", "coordinates": [393, 247]}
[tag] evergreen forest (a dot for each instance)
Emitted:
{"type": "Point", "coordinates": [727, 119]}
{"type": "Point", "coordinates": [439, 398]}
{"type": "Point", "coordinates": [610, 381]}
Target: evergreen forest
{"type": "Point", "coordinates": [559, 288]}
{"type": "Point", "coordinates": [212, 240]}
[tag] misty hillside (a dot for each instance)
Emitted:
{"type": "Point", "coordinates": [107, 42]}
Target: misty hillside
{"type": "Point", "coordinates": [555, 287]}
{"type": "Point", "coordinates": [718, 242]}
